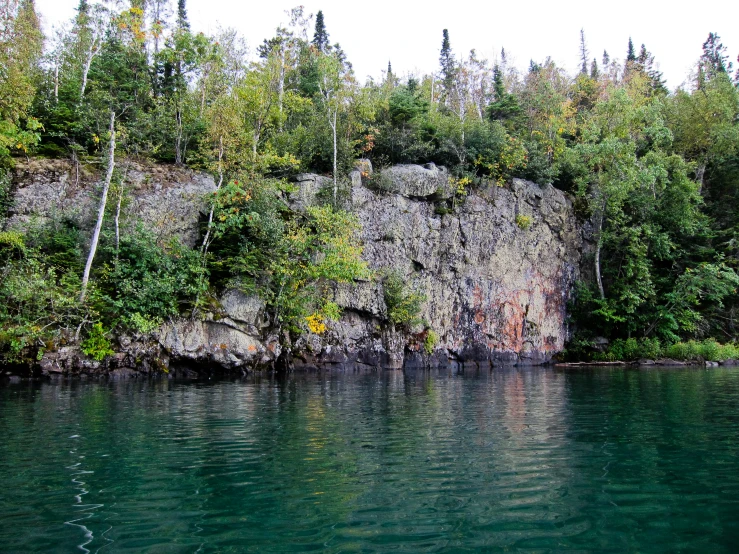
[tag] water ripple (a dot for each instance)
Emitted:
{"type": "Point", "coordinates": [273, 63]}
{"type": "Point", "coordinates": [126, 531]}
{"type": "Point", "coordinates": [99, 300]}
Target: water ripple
{"type": "Point", "coordinates": [609, 460]}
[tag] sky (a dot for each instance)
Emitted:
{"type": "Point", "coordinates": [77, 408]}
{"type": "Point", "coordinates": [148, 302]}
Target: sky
{"type": "Point", "coordinates": [408, 34]}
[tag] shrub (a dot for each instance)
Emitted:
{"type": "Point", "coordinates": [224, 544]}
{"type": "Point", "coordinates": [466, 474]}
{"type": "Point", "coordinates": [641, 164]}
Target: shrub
{"type": "Point", "coordinates": [632, 349]}
{"type": "Point", "coordinates": [97, 345]}
{"type": "Point", "coordinates": [148, 282]}
{"type": "Point", "coordinates": [430, 342]}
{"type": "Point", "coordinates": [381, 182]}
{"type": "Point", "coordinates": [403, 303]}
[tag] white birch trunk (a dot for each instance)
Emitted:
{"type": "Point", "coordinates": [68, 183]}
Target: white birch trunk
{"type": "Point", "coordinates": [101, 209]}
{"type": "Point", "coordinates": [204, 247]}
{"type": "Point", "coordinates": [333, 128]}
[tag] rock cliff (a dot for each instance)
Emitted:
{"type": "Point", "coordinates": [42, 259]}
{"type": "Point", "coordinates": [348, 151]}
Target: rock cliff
{"type": "Point", "coordinates": [497, 272]}
{"type": "Point", "coordinates": [497, 267]}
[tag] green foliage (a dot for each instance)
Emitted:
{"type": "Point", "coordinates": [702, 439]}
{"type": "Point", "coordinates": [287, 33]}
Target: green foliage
{"type": "Point", "coordinates": [430, 342]}
{"type": "Point", "coordinates": [403, 303]}
{"type": "Point", "coordinates": [708, 350]}
{"type": "Point", "coordinates": [381, 182]}
{"type": "Point", "coordinates": [632, 349]}
{"type": "Point", "coordinates": [97, 345]}
{"type": "Point", "coordinates": [38, 303]}
{"type": "Point", "coordinates": [286, 258]}
{"type": "Point", "coordinates": [144, 282]}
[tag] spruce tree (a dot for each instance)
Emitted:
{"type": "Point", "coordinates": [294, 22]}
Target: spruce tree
{"type": "Point", "coordinates": [594, 71]}
{"type": "Point", "coordinates": [714, 59]}
{"type": "Point", "coordinates": [505, 107]}
{"type": "Point", "coordinates": [606, 60]}
{"type": "Point", "coordinates": [630, 54]}
{"type": "Point", "coordinates": [584, 54]}
{"type": "Point", "coordinates": [320, 36]}
{"type": "Point", "coordinates": [389, 69]}
{"type": "Point", "coordinates": [182, 22]}
{"type": "Point", "coordinates": [446, 59]}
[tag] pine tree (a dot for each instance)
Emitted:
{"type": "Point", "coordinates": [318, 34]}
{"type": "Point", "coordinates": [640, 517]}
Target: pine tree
{"type": "Point", "coordinates": [714, 60]}
{"type": "Point", "coordinates": [606, 60]}
{"type": "Point", "coordinates": [506, 106]}
{"type": "Point", "coordinates": [182, 22]}
{"type": "Point", "coordinates": [594, 71]}
{"type": "Point", "coordinates": [446, 59]}
{"type": "Point", "coordinates": [584, 54]}
{"type": "Point", "coordinates": [320, 36]}
{"type": "Point", "coordinates": [630, 54]}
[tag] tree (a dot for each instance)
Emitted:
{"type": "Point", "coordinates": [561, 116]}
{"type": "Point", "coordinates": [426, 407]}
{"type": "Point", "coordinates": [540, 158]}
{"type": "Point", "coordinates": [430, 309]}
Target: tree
{"type": "Point", "coordinates": [320, 36]}
{"type": "Point", "coordinates": [90, 29]}
{"type": "Point", "coordinates": [101, 207]}
{"type": "Point", "coordinates": [332, 89]}
{"type": "Point", "coordinates": [448, 67]}
{"type": "Point", "coordinates": [182, 21]}
{"type": "Point", "coordinates": [630, 52]}
{"type": "Point", "coordinates": [594, 71]}
{"type": "Point", "coordinates": [704, 123]}
{"type": "Point", "coordinates": [21, 43]}
{"type": "Point", "coordinates": [714, 59]}
{"type": "Point", "coordinates": [584, 54]}
{"type": "Point", "coordinates": [505, 106]}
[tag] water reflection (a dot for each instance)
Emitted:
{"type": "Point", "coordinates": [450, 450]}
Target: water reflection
{"type": "Point", "coordinates": [608, 459]}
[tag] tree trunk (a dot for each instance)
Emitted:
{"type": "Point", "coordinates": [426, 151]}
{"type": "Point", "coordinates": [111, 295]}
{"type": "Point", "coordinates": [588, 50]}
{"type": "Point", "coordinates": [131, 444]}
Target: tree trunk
{"type": "Point", "coordinates": [281, 85]}
{"type": "Point", "coordinates": [597, 258]}
{"type": "Point", "coordinates": [56, 82]}
{"type": "Point", "coordinates": [86, 67]}
{"type": "Point", "coordinates": [700, 172]}
{"type": "Point", "coordinates": [204, 247]}
{"type": "Point", "coordinates": [101, 208]}
{"type": "Point", "coordinates": [333, 128]}
{"type": "Point", "coordinates": [117, 223]}
{"type": "Point", "coordinates": [178, 138]}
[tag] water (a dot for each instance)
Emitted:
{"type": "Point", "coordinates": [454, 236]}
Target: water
{"type": "Point", "coordinates": [541, 460]}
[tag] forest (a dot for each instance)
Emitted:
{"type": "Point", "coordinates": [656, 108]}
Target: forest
{"type": "Point", "coordinates": [654, 173]}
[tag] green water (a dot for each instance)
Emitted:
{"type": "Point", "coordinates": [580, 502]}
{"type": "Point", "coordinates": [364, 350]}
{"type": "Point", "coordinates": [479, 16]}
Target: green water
{"type": "Point", "coordinates": [532, 460]}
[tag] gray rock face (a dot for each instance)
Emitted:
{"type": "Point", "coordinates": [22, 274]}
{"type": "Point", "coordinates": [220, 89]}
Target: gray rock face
{"type": "Point", "coordinates": [166, 199]}
{"type": "Point", "coordinates": [416, 181]}
{"type": "Point", "coordinates": [495, 291]}
{"type": "Point", "coordinates": [216, 342]}
{"type": "Point", "coordinates": [308, 186]}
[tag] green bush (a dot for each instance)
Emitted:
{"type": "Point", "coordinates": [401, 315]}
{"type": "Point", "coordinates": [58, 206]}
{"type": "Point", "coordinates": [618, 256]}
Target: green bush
{"type": "Point", "coordinates": [708, 350]}
{"type": "Point", "coordinates": [97, 345]}
{"type": "Point", "coordinates": [631, 349]}
{"type": "Point", "coordinates": [144, 282]}
{"type": "Point", "coordinates": [430, 342]}
{"type": "Point", "coordinates": [37, 301]}
{"type": "Point", "coordinates": [403, 303]}
{"type": "Point", "coordinates": [381, 182]}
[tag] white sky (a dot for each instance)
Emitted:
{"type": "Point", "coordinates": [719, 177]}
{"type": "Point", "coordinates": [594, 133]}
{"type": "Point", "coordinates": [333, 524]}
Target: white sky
{"type": "Point", "coordinates": [409, 33]}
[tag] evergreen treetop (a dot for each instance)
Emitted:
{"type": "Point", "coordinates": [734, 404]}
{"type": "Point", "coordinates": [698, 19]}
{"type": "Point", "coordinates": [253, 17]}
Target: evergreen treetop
{"type": "Point", "coordinates": [320, 36]}
{"type": "Point", "coordinates": [182, 21]}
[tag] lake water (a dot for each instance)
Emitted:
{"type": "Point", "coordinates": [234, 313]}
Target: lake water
{"type": "Point", "coordinates": [607, 459]}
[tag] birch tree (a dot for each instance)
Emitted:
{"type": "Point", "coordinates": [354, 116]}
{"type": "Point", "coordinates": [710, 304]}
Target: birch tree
{"type": "Point", "coordinates": [333, 85]}
{"type": "Point", "coordinates": [101, 207]}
